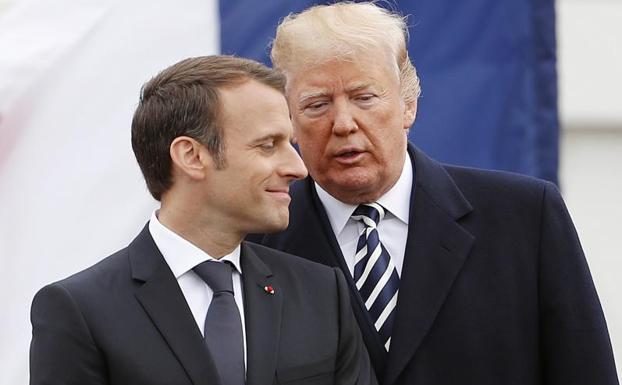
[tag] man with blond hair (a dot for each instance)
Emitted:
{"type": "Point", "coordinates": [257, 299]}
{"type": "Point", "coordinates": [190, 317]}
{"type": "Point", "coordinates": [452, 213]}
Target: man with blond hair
{"type": "Point", "coordinates": [457, 275]}
{"type": "Point", "coordinates": [187, 302]}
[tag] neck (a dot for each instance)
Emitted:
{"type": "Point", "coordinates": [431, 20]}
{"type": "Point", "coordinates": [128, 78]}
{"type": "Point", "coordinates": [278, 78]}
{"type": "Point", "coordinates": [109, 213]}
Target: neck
{"type": "Point", "coordinates": [198, 229]}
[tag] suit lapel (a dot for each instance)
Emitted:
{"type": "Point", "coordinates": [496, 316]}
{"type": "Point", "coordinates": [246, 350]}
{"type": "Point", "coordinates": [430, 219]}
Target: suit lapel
{"type": "Point", "coordinates": [163, 300]}
{"type": "Point", "coordinates": [436, 249]}
{"type": "Point", "coordinates": [262, 312]}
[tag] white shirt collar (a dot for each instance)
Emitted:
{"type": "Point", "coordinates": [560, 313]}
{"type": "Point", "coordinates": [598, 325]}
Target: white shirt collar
{"type": "Point", "coordinates": [181, 255]}
{"type": "Point", "coordinates": [396, 200]}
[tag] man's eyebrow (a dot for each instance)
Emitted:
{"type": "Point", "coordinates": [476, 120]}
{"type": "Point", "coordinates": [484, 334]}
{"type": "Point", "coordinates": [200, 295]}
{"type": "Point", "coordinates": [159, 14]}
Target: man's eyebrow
{"type": "Point", "coordinates": [267, 137]}
{"type": "Point", "coordinates": [359, 86]}
{"type": "Point", "coordinates": [311, 95]}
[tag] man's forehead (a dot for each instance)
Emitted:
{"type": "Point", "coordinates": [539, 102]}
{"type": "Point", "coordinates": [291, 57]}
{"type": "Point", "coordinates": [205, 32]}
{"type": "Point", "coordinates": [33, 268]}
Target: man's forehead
{"type": "Point", "coordinates": [307, 61]}
{"type": "Point", "coordinates": [348, 76]}
{"type": "Point", "coordinates": [253, 110]}
{"type": "Point", "coordinates": [313, 91]}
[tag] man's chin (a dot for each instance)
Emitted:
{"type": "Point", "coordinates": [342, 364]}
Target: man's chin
{"type": "Point", "coordinates": [352, 180]}
{"type": "Point", "coordinates": [352, 190]}
{"type": "Point", "coordinates": [274, 226]}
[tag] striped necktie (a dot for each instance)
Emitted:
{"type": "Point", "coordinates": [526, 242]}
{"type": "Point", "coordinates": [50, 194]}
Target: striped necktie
{"type": "Point", "coordinates": [374, 273]}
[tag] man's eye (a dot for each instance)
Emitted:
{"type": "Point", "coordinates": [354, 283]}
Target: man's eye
{"type": "Point", "coordinates": [268, 146]}
{"type": "Point", "coordinates": [365, 97]}
{"type": "Point", "coordinates": [316, 105]}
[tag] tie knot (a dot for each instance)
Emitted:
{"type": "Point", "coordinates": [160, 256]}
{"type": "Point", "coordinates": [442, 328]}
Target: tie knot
{"type": "Point", "coordinates": [217, 275]}
{"type": "Point", "coordinates": [370, 213]}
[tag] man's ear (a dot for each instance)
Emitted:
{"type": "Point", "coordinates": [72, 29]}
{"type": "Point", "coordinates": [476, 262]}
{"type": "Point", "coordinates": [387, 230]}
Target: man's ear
{"type": "Point", "coordinates": [190, 157]}
{"type": "Point", "coordinates": [410, 112]}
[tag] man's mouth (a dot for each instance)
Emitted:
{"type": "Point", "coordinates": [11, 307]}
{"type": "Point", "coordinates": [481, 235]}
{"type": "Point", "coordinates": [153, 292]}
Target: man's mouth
{"type": "Point", "coordinates": [348, 155]}
{"type": "Point", "coordinates": [279, 193]}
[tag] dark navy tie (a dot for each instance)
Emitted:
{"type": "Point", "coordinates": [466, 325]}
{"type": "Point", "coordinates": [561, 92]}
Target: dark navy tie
{"type": "Point", "coordinates": [223, 326]}
{"type": "Point", "coordinates": [374, 273]}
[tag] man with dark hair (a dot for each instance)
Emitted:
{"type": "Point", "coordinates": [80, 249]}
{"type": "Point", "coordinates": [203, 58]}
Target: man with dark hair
{"type": "Point", "coordinates": [457, 275]}
{"type": "Point", "coordinates": [187, 302]}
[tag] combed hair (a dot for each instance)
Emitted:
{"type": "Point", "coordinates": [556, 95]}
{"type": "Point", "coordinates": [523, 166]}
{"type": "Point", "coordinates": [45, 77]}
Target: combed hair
{"type": "Point", "coordinates": [183, 100]}
{"type": "Point", "coordinates": [340, 31]}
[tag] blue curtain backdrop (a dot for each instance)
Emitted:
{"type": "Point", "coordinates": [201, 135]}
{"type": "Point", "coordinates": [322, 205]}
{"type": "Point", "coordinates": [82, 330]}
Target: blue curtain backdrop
{"type": "Point", "coordinates": [487, 69]}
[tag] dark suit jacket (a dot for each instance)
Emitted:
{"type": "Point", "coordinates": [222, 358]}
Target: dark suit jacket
{"type": "Point", "coordinates": [125, 321]}
{"type": "Point", "coordinates": [494, 289]}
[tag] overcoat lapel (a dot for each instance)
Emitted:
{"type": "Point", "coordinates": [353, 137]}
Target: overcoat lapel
{"type": "Point", "coordinates": [262, 312]}
{"type": "Point", "coordinates": [436, 249]}
{"type": "Point", "coordinates": [163, 300]}
{"type": "Point", "coordinates": [312, 238]}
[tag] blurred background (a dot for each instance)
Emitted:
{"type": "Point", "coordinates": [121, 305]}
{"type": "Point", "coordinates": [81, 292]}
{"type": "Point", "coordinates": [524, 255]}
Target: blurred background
{"type": "Point", "coordinates": [520, 85]}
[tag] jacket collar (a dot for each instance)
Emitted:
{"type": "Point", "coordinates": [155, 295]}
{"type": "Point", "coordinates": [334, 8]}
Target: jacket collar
{"type": "Point", "coordinates": [164, 302]}
{"type": "Point", "coordinates": [436, 250]}
{"type": "Point", "coordinates": [263, 300]}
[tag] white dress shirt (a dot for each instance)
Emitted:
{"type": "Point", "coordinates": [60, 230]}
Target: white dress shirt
{"type": "Point", "coordinates": [182, 256]}
{"type": "Point", "coordinates": [393, 229]}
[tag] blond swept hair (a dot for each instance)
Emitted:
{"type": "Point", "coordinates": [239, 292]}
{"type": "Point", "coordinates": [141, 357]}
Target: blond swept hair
{"type": "Point", "coordinates": [340, 31]}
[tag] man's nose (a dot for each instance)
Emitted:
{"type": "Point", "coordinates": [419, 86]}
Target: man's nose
{"type": "Point", "coordinates": [343, 120]}
{"type": "Point", "coordinates": [293, 167]}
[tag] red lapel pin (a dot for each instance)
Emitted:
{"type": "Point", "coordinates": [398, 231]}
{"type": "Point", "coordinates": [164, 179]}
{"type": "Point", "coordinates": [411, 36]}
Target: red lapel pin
{"type": "Point", "coordinates": [268, 289]}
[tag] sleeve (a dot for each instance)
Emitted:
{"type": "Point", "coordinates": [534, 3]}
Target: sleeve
{"type": "Point", "coordinates": [353, 365]}
{"type": "Point", "coordinates": [62, 350]}
{"type": "Point", "coordinates": [574, 342]}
